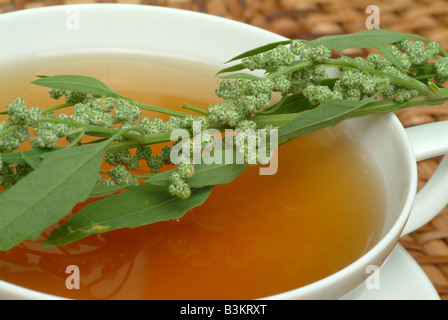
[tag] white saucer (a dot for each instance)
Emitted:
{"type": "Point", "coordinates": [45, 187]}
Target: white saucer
{"type": "Point", "coordinates": [400, 278]}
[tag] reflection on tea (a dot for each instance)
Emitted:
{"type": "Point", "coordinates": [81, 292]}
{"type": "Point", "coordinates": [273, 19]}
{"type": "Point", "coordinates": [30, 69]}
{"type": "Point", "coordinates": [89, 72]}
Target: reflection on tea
{"type": "Point", "coordinates": [254, 237]}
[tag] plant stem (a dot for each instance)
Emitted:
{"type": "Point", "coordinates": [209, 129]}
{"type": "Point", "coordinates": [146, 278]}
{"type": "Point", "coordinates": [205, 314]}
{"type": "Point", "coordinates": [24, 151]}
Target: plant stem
{"type": "Point", "coordinates": [58, 107]}
{"type": "Point", "coordinates": [370, 108]}
{"type": "Point", "coordinates": [410, 82]}
{"type": "Point", "coordinates": [9, 129]}
{"type": "Point", "coordinates": [195, 109]}
{"type": "Point", "coordinates": [87, 127]}
{"type": "Point", "coordinates": [161, 110]}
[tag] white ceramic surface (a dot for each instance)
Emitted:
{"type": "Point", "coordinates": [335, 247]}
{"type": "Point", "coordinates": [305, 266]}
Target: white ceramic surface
{"type": "Point", "coordinates": [155, 30]}
{"type": "Point", "coordinates": [400, 278]}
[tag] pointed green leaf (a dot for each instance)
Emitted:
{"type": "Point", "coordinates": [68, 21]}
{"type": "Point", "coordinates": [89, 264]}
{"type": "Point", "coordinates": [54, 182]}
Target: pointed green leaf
{"type": "Point", "coordinates": [260, 49]}
{"type": "Point", "coordinates": [328, 113]}
{"type": "Point", "coordinates": [137, 206]}
{"type": "Point", "coordinates": [48, 193]}
{"type": "Point", "coordinates": [290, 104]}
{"type": "Point", "coordinates": [364, 39]}
{"type": "Point", "coordinates": [240, 76]}
{"type": "Point", "coordinates": [236, 67]}
{"type": "Point", "coordinates": [82, 84]}
{"type": "Point", "coordinates": [29, 157]}
{"type": "Point", "coordinates": [101, 191]}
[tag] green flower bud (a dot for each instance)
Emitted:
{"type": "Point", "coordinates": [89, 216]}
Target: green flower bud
{"type": "Point", "coordinates": [174, 123]}
{"type": "Point", "coordinates": [165, 154]}
{"type": "Point", "coordinates": [405, 45]}
{"type": "Point", "coordinates": [159, 125]}
{"type": "Point", "coordinates": [33, 116]}
{"type": "Point", "coordinates": [127, 112]}
{"type": "Point", "coordinates": [17, 111]}
{"type": "Point", "coordinates": [405, 61]}
{"type": "Point", "coordinates": [282, 84]}
{"type": "Point", "coordinates": [432, 49]}
{"type": "Point", "coordinates": [105, 104]}
{"type": "Point", "coordinates": [56, 93]}
{"type": "Point", "coordinates": [111, 158]}
{"type": "Point", "coordinates": [22, 134]}
{"type": "Point", "coordinates": [374, 59]}
{"type": "Point", "coordinates": [99, 118]}
{"type": "Point", "coordinates": [247, 125]}
{"type": "Point", "coordinates": [175, 178]}
{"type": "Point", "coordinates": [44, 139]}
{"type": "Point", "coordinates": [185, 170]}
{"type": "Point", "coordinates": [122, 177]}
{"type": "Point", "coordinates": [10, 143]}
{"type": "Point", "coordinates": [74, 97]}
{"type": "Point", "coordinates": [133, 163]}
{"type": "Point", "coordinates": [353, 94]}
{"type": "Point", "coordinates": [417, 53]}
{"type": "Point", "coordinates": [108, 182]}
{"type": "Point", "coordinates": [181, 190]}
{"type": "Point", "coordinates": [155, 163]}
{"type": "Point", "coordinates": [144, 152]}
{"type": "Point", "coordinates": [441, 67]}
{"type": "Point", "coordinates": [252, 63]}
{"type": "Point", "coordinates": [297, 47]}
{"type": "Point", "coordinates": [315, 94]}
{"type": "Point", "coordinates": [321, 54]}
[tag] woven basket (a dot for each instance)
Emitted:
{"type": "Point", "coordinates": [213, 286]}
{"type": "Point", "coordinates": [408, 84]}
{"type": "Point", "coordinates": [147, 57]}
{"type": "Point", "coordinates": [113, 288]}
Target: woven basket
{"type": "Point", "coordinates": [309, 19]}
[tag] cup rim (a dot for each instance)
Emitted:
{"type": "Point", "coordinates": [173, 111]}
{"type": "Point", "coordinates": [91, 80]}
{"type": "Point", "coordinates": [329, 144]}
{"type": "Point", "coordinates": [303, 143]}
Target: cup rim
{"type": "Point", "coordinates": [390, 236]}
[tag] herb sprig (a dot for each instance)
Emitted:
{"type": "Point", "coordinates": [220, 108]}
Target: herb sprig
{"type": "Point", "coordinates": [42, 185]}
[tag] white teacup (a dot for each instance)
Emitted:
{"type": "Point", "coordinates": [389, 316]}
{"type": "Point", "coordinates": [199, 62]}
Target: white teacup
{"type": "Point", "coordinates": [134, 28]}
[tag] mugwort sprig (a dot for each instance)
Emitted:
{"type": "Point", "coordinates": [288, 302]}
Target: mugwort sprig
{"type": "Point", "coordinates": [277, 91]}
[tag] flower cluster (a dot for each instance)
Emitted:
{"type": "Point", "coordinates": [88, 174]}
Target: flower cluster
{"type": "Point", "coordinates": [248, 96]}
{"type": "Point", "coordinates": [441, 70]}
{"type": "Point", "coordinates": [178, 187]}
{"type": "Point", "coordinates": [186, 169]}
{"type": "Point", "coordinates": [416, 51]}
{"type": "Point", "coordinates": [283, 56]}
{"type": "Point", "coordinates": [71, 97]}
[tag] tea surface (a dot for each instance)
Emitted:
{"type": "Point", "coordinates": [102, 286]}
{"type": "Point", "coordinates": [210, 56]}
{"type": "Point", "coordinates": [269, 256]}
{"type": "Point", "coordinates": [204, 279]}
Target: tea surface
{"type": "Point", "coordinates": [255, 237]}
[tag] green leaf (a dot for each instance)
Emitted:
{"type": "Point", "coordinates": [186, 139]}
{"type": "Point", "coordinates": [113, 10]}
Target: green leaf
{"type": "Point", "coordinates": [206, 174]}
{"type": "Point", "coordinates": [290, 104]}
{"type": "Point", "coordinates": [372, 109]}
{"type": "Point", "coordinates": [82, 84]}
{"type": "Point", "coordinates": [102, 191]}
{"type": "Point", "coordinates": [238, 76]}
{"type": "Point", "coordinates": [390, 56]}
{"type": "Point", "coordinates": [364, 39]}
{"type": "Point", "coordinates": [31, 157]}
{"type": "Point", "coordinates": [328, 113]}
{"type": "Point", "coordinates": [49, 193]}
{"type": "Point", "coordinates": [137, 206]}
{"type": "Point", "coordinates": [260, 49]}
{"type": "Point", "coordinates": [236, 67]}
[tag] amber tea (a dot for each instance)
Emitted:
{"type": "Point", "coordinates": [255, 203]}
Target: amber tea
{"type": "Point", "coordinates": [257, 236]}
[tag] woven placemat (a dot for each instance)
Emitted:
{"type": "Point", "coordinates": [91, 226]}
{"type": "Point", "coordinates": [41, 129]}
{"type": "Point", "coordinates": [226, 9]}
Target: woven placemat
{"type": "Point", "coordinates": [309, 19]}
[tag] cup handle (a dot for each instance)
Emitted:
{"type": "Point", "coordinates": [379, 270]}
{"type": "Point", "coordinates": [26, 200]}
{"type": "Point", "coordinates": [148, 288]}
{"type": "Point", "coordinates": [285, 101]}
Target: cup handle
{"type": "Point", "coordinates": [428, 141]}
